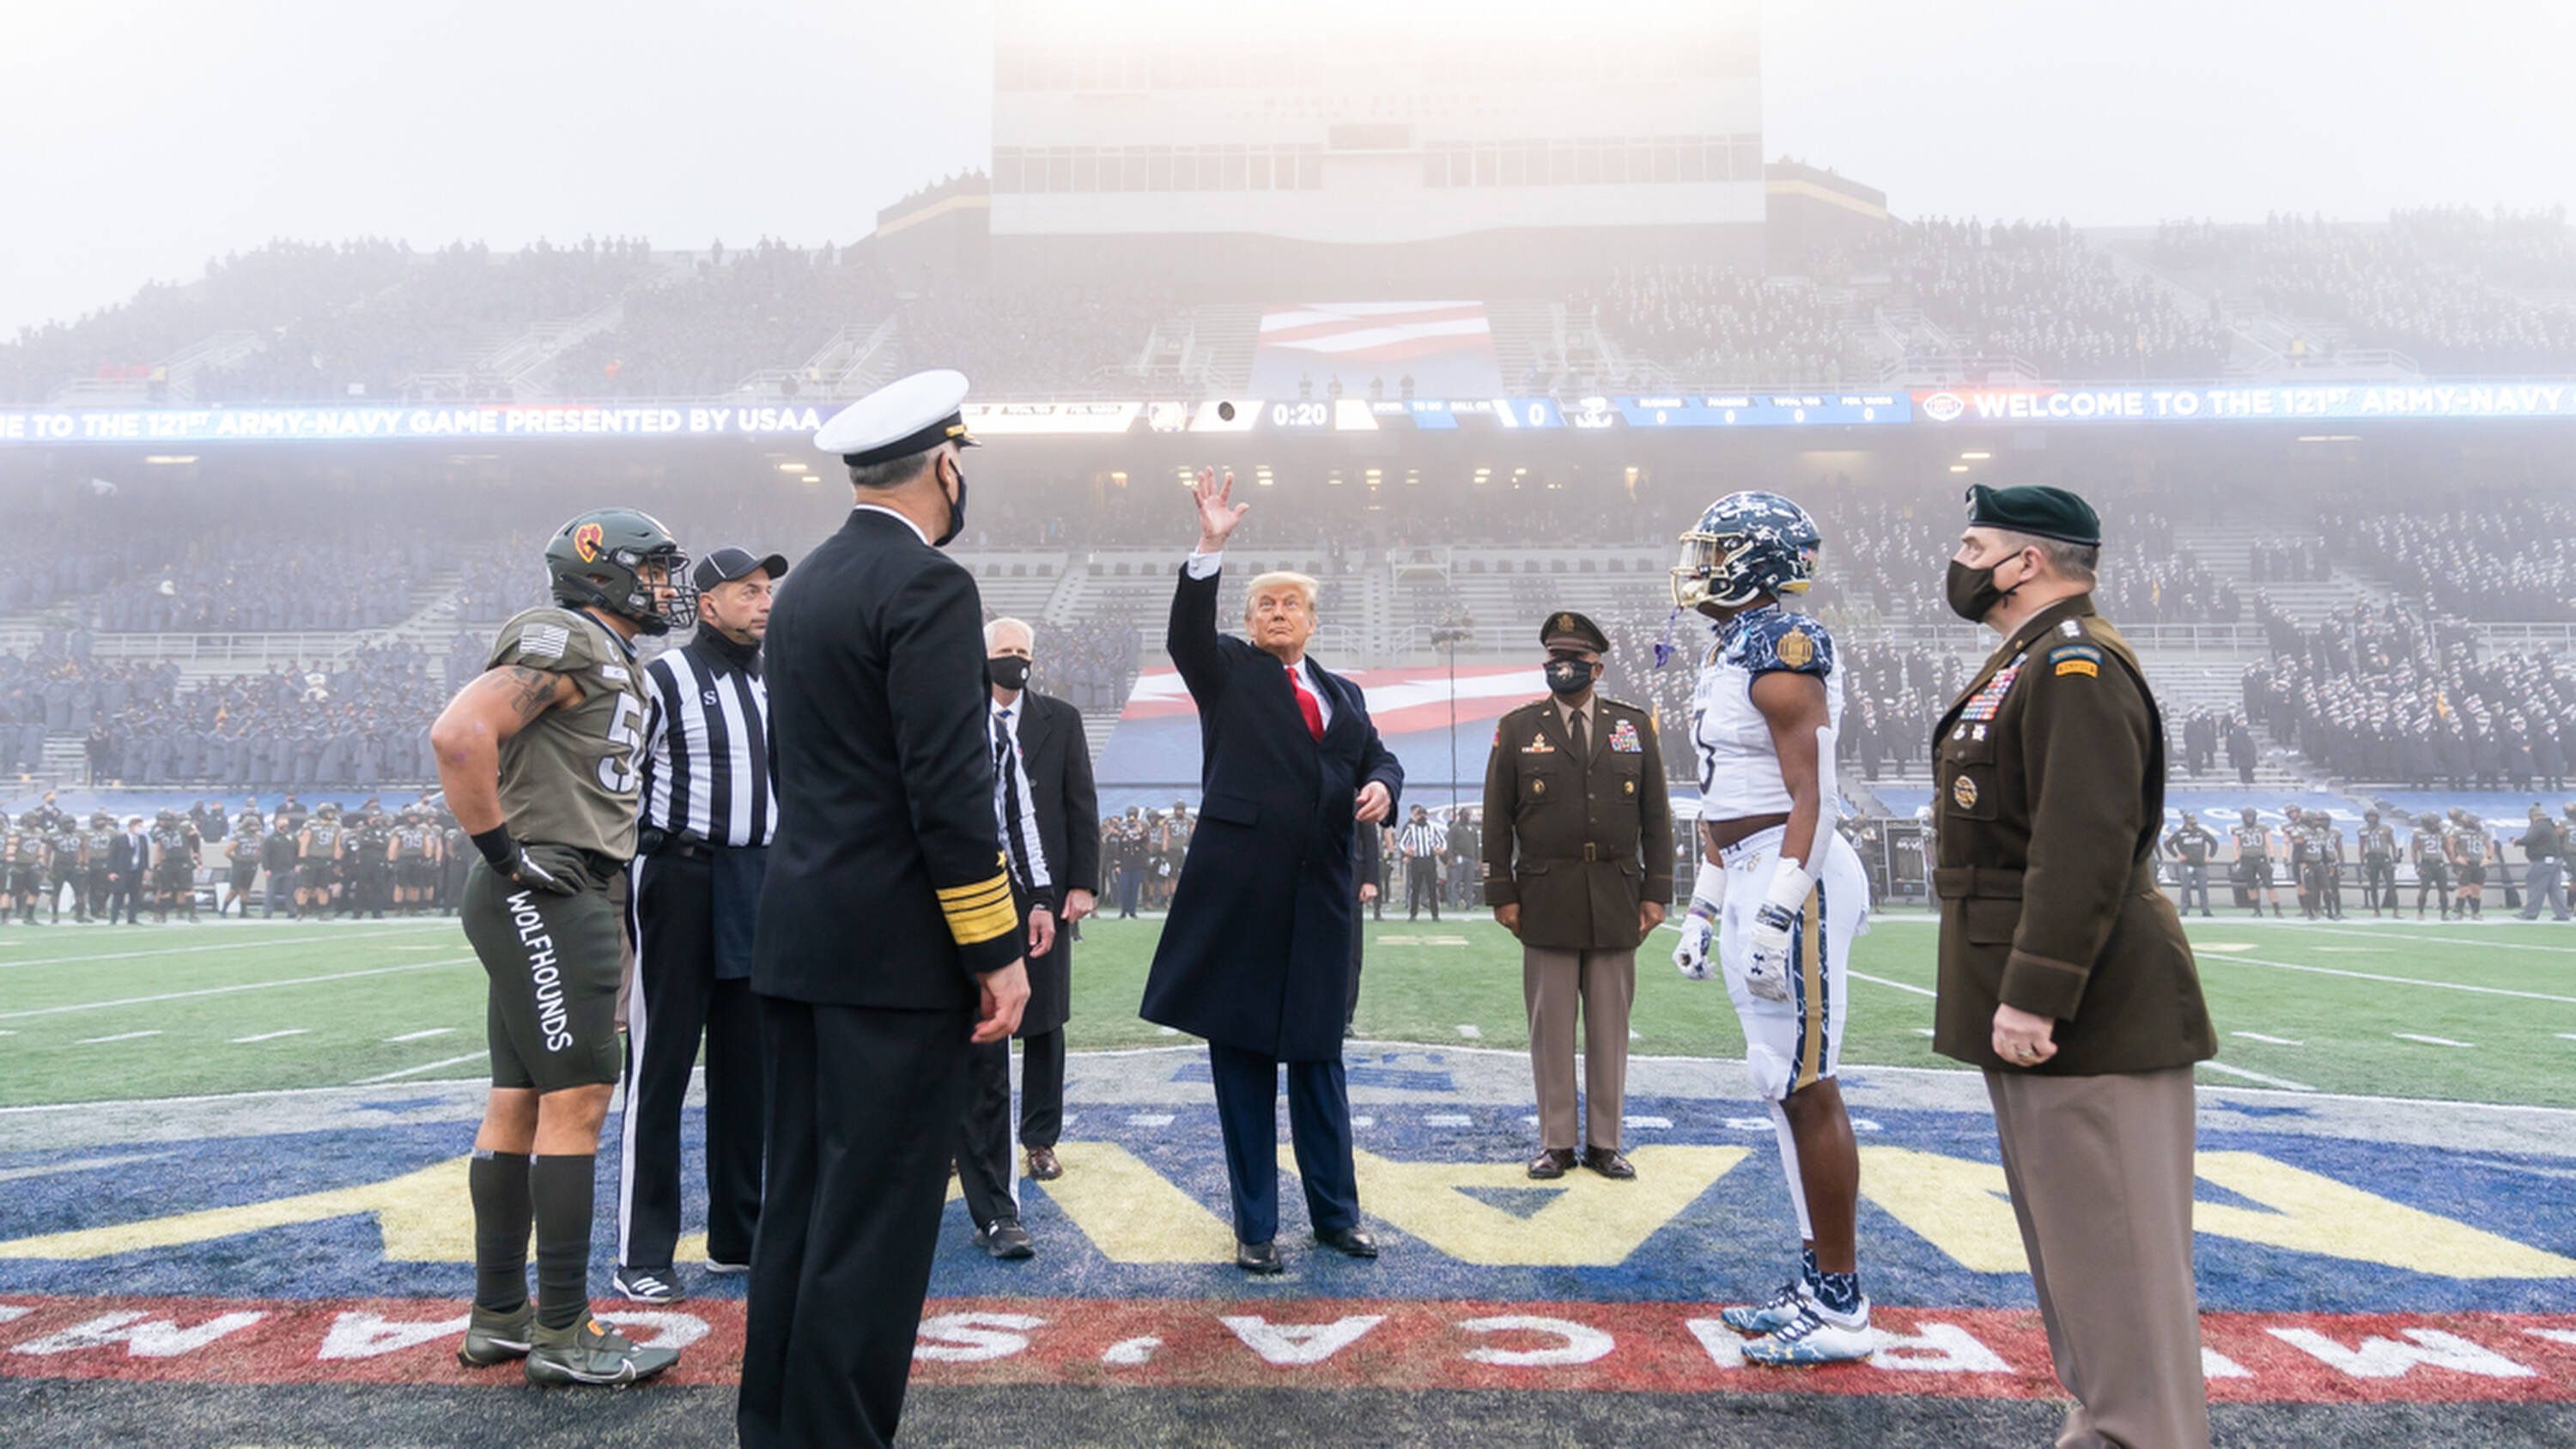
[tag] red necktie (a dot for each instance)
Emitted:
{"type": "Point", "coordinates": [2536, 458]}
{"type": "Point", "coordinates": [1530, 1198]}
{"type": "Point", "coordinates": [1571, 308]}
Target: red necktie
{"type": "Point", "coordinates": [1307, 704]}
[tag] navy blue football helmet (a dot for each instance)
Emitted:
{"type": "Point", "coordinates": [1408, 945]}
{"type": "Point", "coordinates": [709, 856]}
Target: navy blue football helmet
{"type": "Point", "coordinates": [1746, 545]}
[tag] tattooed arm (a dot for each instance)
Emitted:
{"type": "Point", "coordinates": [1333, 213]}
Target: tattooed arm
{"type": "Point", "coordinates": [495, 705]}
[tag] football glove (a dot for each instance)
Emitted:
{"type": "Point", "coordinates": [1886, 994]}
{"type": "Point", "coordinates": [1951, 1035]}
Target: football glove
{"type": "Point", "coordinates": [1775, 924]}
{"type": "Point", "coordinates": [510, 861]}
{"type": "Point", "coordinates": [1699, 932]}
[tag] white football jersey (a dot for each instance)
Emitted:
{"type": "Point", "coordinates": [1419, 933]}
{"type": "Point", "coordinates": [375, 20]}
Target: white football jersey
{"type": "Point", "coordinates": [1739, 772]}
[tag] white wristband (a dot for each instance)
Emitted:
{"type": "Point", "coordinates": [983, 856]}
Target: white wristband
{"type": "Point", "coordinates": [1790, 885]}
{"type": "Point", "coordinates": [1708, 890]}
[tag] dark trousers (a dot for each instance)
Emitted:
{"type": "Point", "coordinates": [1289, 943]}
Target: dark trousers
{"type": "Point", "coordinates": [122, 894]}
{"type": "Point", "coordinates": [676, 1000]}
{"type": "Point", "coordinates": [2379, 882]}
{"type": "Point", "coordinates": [1319, 1126]}
{"type": "Point", "coordinates": [2195, 883]}
{"type": "Point", "coordinates": [1421, 886]}
{"type": "Point", "coordinates": [1129, 880]}
{"type": "Point", "coordinates": [1042, 1086]}
{"type": "Point", "coordinates": [984, 1135]}
{"type": "Point", "coordinates": [863, 1109]}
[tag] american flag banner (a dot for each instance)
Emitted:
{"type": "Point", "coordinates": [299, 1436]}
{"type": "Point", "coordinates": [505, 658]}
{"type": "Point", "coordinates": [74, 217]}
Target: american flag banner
{"type": "Point", "coordinates": [1447, 348]}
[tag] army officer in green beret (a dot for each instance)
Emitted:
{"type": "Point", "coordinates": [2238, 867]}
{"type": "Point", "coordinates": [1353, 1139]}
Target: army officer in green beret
{"type": "Point", "coordinates": [2064, 973]}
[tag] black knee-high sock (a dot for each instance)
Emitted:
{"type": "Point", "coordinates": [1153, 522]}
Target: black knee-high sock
{"type": "Point", "coordinates": [498, 1184]}
{"type": "Point", "coordinates": [561, 1189]}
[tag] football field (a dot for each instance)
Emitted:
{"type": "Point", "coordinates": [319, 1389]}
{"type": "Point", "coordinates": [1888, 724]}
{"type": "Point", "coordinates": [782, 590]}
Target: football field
{"type": "Point", "coordinates": [2478, 1012]}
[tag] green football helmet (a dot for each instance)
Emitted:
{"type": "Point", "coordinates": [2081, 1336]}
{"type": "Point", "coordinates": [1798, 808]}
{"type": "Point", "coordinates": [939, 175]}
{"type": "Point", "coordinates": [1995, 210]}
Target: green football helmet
{"type": "Point", "coordinates": [599, 559]}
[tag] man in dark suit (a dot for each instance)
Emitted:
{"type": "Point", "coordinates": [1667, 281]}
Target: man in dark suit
{"type": "Point", "coordinates": [1256, 955]}
{"type": "Point", "coordinates": [127, 859]}
{"type": "Point", "coordinates": [887, 938]}
{"type": "Point", "coordinates": [1055, 756]}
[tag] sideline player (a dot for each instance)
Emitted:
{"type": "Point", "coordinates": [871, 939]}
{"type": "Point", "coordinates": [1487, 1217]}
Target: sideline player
{"type": "Point", "coordinates": [2253, 869]}
{"type": "Point", "coordinates": [1782, 893]}
{"type": "Point", "coordinates": [2432, 857]}
{"type": "Point", "coordinates": [2466, 838]}
{"type": "Point", "coordinates": [317, 870]}
{"type": "Point", "coordinates": [537, 756]}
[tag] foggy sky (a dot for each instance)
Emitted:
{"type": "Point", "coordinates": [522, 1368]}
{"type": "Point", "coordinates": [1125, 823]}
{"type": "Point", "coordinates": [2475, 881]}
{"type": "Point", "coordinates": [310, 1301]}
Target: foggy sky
{"type": "Point", "coordinates": [150, 135]}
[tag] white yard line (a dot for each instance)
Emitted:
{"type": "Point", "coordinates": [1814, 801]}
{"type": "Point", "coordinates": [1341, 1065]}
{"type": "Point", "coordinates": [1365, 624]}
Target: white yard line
{"type": "Point", "coordinates": [2392, 980]}
{"type": "Point", "coordinates": [421, 1035]}
{"type": "Point", "coordinates": [1883, 981]}
{"type": "Point", "coordinates": [120, 1036]}
{"type": "Point", "coordinates": [228, 990]}
{"type": "Point", "coordinates": [2445, 940]}
{"type": "Point", "coordinates": [273, 1035]}
{"type": "Point", "coordinates": [2268, 1040]}
{"type": "Point", "coordinates": [2283, 1083]}
{"type": "Point", "coordinates": [322, 940]}
{"type": "Point", "coordinates": [423, 1067]}
{"type": "Point", "coordinates": [2439, 1041]}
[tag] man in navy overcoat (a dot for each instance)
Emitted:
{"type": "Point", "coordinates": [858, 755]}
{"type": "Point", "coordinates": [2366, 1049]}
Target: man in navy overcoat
{"type": "Point", "coordinates": [1256, 954]}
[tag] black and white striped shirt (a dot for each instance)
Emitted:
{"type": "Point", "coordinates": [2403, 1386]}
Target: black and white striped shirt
{"type": "Point", "coordinates": [707, 771]}
{"type": "Point", "coordinates": [1418, 839]}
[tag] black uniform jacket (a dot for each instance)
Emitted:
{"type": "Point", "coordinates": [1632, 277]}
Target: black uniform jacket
{"type": "Point", "coordinates": [1057, 759]}
{"type": "Point", "coordinates": [885, 885]}
{"type": "Point", "coordinates": [1257, 953]}
{"type": "Point", "coordinates": [2049, 789]}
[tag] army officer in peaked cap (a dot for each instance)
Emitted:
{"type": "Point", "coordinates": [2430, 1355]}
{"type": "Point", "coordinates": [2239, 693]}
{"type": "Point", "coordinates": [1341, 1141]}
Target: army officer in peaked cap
{"type": "Point", "coordinates": [2064, 973]}
{"type": "Point", "coordinates": [1579, 865]}
{"type": "Point", "coordinates": [887, 938]}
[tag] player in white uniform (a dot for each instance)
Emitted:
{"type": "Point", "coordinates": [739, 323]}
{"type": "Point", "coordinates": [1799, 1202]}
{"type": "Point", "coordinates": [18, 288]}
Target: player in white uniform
{"type": "Point", "coordinates": [1781, 892]}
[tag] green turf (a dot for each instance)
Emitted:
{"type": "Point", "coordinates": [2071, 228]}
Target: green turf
{"type": "Point", "coordinates": [1424, 982]}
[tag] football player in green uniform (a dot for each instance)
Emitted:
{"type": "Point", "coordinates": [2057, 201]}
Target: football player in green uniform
{"type": "Point", "coordinates": [538, 758]}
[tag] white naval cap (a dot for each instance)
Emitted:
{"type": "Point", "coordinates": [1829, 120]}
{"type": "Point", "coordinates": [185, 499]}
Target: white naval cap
{"type": "Point", "coordinates": [906, 416]}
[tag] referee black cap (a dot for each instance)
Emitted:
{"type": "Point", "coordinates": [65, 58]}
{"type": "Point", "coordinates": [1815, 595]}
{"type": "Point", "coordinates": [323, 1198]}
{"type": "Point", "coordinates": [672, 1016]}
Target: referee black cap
{"type": "Point", "coordinates": [728, 564]}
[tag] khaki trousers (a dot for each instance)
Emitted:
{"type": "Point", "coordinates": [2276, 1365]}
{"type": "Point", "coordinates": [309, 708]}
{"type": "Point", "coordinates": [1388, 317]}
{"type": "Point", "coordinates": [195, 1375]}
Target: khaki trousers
{"type": "Point", "coordinates": [1555, 986]}
{"type": "Point", "coordinates": [2100, 1170]}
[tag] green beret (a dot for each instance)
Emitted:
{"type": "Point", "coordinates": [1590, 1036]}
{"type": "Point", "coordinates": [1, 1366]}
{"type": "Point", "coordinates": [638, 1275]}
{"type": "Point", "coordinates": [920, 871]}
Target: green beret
{"type": "Point", "coordinates": [2040, 511]}
{"type": "Point", "coordinates": [1568, 627]}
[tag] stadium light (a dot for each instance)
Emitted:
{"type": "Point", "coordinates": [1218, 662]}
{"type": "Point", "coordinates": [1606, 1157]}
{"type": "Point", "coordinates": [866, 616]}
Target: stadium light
{"type": "Point", "coordinates": [794, 468]}
{"type": "Point", "coordinates": [170, 458]}
{"type": "Point", "coordinates": [1977, 457]}
{"type": "Point", "coordinates": [1958, 467]}
{"type": "Point", "coordinates": [2329, 437]}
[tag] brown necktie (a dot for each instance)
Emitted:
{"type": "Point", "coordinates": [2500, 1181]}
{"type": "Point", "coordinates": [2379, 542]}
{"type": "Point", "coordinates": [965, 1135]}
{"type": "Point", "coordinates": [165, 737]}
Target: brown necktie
{"type": "Point", "coordinates": [1574, 731]}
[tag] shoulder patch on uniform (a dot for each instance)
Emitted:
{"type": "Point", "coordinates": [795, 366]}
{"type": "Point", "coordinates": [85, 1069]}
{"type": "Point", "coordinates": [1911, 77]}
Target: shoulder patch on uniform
{"type": "Point", "coordinates": [544, 641]}
{"type": "Point", "coordinates": [2071, 628]}
{"type": "Point", "coordinates": [1771, 642]}
{"type": "Point", "coordinates": [1622, 704]}
{"type": "Point", "coordinates": [614, 673]}
{"type": "Point", "coordinates": [2074, 651]}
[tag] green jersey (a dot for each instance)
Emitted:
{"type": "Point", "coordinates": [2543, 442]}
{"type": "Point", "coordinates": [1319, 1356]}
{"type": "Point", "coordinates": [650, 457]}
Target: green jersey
{"type": "Point", "coordinates": [571, 776]}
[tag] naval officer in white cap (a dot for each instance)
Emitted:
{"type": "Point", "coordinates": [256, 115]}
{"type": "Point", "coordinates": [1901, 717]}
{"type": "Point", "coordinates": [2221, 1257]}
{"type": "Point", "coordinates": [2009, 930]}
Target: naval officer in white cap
{"type": "Point", "coordinates": [888, 941]}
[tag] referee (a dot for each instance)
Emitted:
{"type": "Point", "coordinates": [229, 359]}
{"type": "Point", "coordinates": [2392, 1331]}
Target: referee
{"type": "Point", "coordinates": [710, 808]}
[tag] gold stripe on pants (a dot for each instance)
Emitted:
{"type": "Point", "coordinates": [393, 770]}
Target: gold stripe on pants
{"type": "Point", "coordinates": [1555, 984]}
{"type": "Point", "coordinates": [2100, 1171]}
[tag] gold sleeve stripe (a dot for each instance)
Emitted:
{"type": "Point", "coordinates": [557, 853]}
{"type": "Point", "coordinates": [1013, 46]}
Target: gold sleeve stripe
{"type": "Point", "coordinates": [953, 895]}
{"type": "Point", "coordinates": [974, 927]}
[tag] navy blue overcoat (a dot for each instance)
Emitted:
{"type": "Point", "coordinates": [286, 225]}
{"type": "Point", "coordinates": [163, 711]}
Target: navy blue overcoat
{"type": "Point", "coordinates": [1257, 952]}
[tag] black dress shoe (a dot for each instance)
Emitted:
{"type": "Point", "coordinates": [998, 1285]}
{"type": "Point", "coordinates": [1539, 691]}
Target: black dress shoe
{"type": "Point", "coordinates": [1608, 1162]}
{"type": "Point", "coordinates": [1006, 1239]}
{"type": "Point", "coordinates": [1043, 1164]}
{"type": "Point", "coordinates": [1552, 1163]}
{"type": "Point", "coordinates": [1258, 1258]}
{"type": "Point", "coordinates": [1350, 1242]}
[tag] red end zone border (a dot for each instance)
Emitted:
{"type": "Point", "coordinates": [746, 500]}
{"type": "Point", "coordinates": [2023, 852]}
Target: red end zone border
{"type": "Point", "coordinates": [1319, 1343]}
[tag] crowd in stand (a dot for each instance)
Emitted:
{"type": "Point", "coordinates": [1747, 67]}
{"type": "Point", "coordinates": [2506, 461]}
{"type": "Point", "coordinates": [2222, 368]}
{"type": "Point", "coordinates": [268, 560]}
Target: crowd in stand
{"type": "Point", "coordinates": [361, 721]}
{"type": "Point", "coordinates": [2444, 285]}
{"type": "Point", "coordinates": [2389, 696]}
{"type": "Point", "coordinates": [2488, 555]}
{"type": "Point", "coordinates": [2038, 292]}
{"type": "Point", "coordinates": [769, 306]}
{"type": "Point", "coordinates": [1091, 663]}
{"type": "Point", "coordinates": [1712, 326]}
{"type": "Point", "coordinates": [249, 580]}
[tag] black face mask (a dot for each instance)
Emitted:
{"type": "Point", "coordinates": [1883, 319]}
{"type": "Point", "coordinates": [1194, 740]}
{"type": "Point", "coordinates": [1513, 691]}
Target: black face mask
{"type": "Point", "coordinates": [956, 513]}
{"type": "Point", "coordinates": [1972, 592]}
{"type": "Point", "coordinates": [1007, 671]}
{"type": "Point", "coordinates": [1568, 677]}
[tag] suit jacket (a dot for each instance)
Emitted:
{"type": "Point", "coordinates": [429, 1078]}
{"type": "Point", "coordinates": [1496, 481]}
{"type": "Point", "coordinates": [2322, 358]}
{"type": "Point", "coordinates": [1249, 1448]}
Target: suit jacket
{"type": "Point", "coordinates": [2050, 786]}
{"type": "Point", "coordinates": [885, 885]}
{"type": "Point", "coordinates": [126, 855]}
{"type": "Point", "coordinates": [1057, 759]}
{"type": "Point", "coordinates": [1257, 951]}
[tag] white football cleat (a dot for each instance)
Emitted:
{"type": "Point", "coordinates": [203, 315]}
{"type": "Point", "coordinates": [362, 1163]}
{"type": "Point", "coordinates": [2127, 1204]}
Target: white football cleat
{"type": "Point", "coordinates": [1772, 1314]}
{"type": "Point", "coordinates": [1816, 1337]}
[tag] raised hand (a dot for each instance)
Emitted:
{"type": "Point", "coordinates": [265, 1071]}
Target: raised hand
{"type": "Point", "coordinates": [1218, 512]}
